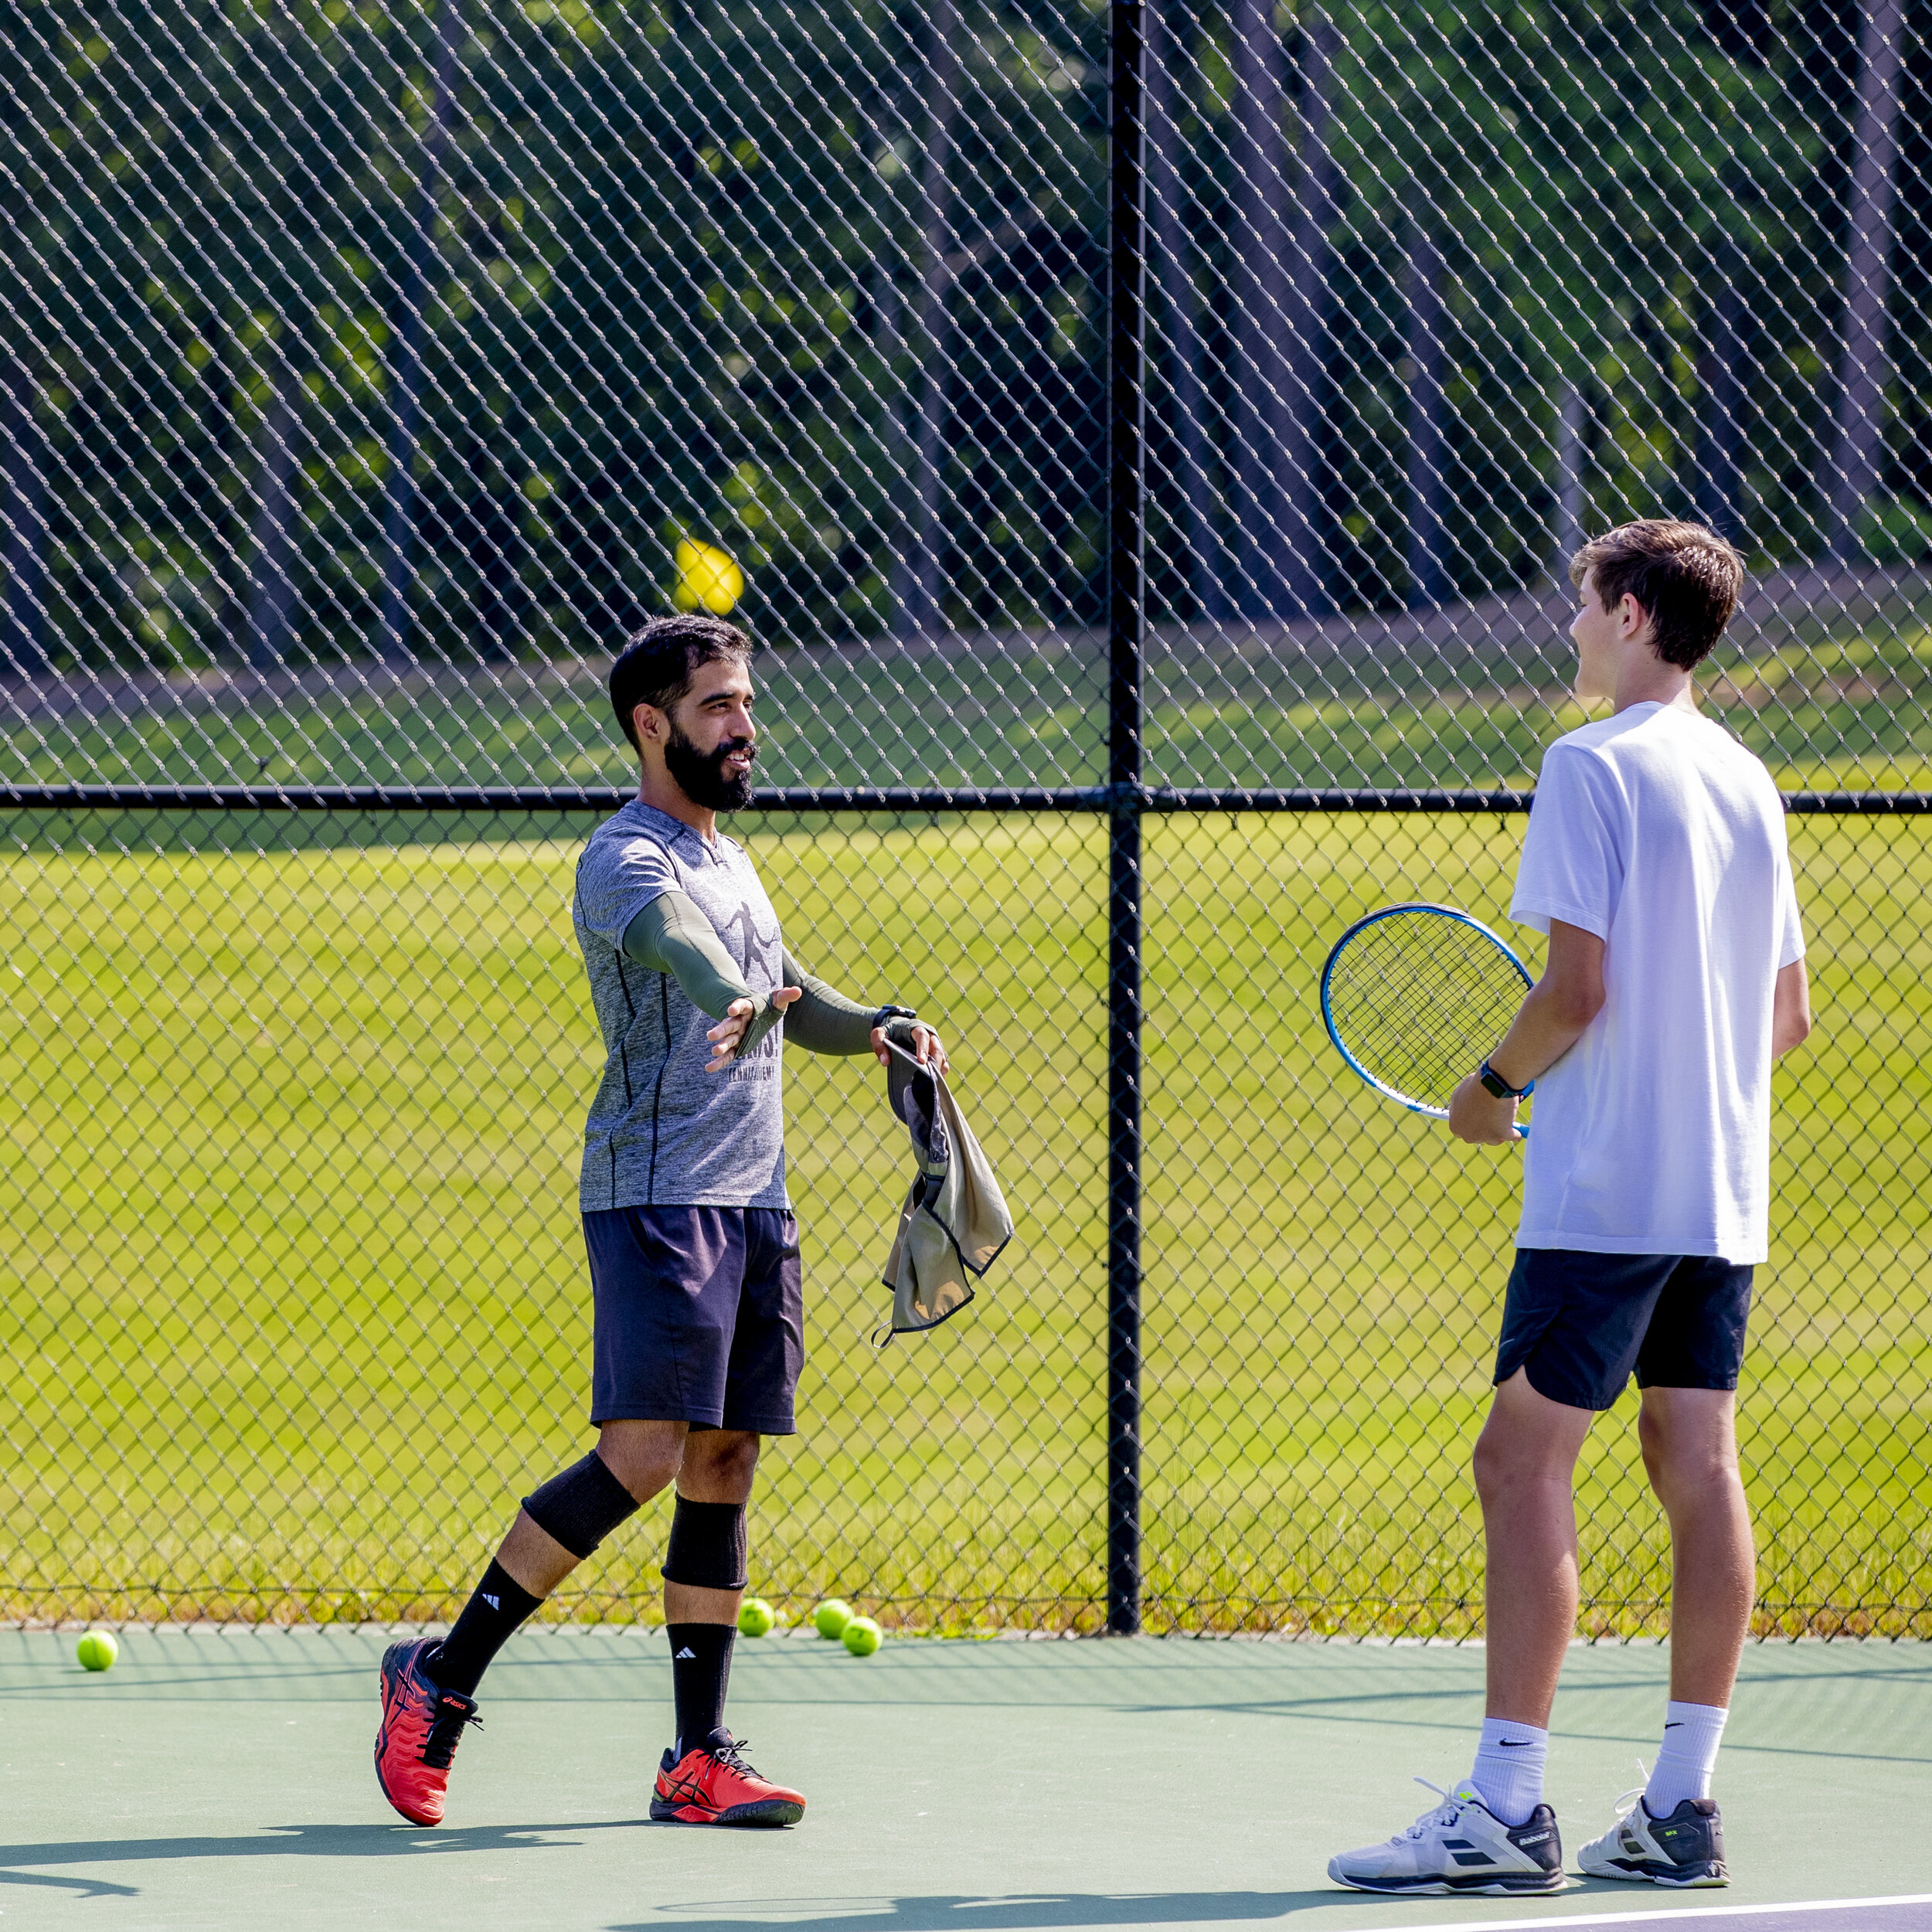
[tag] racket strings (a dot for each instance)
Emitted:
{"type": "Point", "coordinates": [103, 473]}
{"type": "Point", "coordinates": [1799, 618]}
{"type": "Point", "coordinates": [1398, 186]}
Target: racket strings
{"type": "Point", "coordinates": [1419, 1000]}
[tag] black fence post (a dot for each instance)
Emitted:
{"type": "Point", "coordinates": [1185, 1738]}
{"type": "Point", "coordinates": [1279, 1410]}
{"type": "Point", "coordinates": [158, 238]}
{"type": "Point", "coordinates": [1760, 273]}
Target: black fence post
{"type": "Point", "coordinates": [1126, 620]}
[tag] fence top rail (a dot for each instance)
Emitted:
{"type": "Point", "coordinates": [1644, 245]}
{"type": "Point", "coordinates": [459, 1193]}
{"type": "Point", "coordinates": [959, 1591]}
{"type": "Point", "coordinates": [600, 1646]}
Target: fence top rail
{"type": "Point", "coordinates": [1076, 798]}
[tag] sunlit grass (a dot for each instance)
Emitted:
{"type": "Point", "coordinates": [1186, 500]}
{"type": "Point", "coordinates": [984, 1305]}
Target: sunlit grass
{"type": "Point", "coordinates": [297, 1306]}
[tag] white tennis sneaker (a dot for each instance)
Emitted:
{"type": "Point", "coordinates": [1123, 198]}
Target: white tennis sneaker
{"type": "Point", "coordinates": [1686, 1848]}
{"type": "Point", "coordinates": [1461, 1846]}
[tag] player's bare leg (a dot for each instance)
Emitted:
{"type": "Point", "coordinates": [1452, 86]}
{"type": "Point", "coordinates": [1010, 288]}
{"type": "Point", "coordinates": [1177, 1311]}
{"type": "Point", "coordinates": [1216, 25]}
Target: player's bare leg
{"type": "Point", "coordinates": [1690, 1439]}
{"type": "Point", "coordinates": [1526, 1463]}
{"type": "Point", "coordinates": [1493, 1833]}
{"type": "Point", "coordinates": [1672, 1834]}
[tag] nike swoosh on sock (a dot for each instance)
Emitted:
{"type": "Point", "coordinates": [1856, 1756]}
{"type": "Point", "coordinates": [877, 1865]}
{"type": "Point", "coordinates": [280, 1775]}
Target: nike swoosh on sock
{"type": "Point", "coordinates": [1515, 1743]}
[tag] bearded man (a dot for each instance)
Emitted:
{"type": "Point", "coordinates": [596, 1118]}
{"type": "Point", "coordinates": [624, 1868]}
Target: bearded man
{"type": "Point", "coordinates": [698, 1324]}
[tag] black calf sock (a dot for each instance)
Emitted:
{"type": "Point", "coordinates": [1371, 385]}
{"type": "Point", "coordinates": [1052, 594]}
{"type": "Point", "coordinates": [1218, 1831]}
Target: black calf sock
{"type": "Point", "coordinates": [488, 1618]}
{"type": "Point", "coordinates": [700, 1670]}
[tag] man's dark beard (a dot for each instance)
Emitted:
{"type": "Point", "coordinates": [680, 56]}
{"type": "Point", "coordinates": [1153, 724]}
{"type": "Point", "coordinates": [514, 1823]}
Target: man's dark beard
{"type": "Point", "coordinates": [701, 775]}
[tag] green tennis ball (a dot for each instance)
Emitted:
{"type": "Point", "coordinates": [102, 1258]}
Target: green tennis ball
{"type": "Point", "coordinates": [97, 1651]}
{"type": "Point", "coordinates": [755, 1617]}
{"type": "Point", "coordinates": [863, 1636]}
{"type": "Point", "coordinates": [831, 1617]}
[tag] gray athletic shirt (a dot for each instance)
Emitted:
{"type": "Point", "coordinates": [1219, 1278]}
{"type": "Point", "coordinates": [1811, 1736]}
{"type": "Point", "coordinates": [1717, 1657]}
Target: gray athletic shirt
{"type": "Point", "coordinates": [663, 1132]}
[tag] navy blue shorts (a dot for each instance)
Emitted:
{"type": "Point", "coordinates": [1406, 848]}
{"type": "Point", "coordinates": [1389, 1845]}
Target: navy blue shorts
{"type": "Point", "coordinates": [1579, 1323]}
{"type": "Point", "coordinates": [700, 1316]}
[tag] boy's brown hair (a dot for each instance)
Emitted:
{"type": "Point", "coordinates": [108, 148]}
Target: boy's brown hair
{"type": "Point", "coordinates": [1686, 577]}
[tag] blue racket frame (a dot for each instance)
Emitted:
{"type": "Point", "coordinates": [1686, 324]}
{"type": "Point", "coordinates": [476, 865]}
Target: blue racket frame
{"type": "Point", "coordinates": [1375, 918]}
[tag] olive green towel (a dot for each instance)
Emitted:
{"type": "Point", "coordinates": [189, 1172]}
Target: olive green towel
{"type": "Point", "coordinates": [955, 1221]}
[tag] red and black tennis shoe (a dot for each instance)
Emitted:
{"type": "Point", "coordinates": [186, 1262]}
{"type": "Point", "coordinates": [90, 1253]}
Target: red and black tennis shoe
{"type": "Point", "coordinates": [417, 1738]}
{"type": "Point", "coordinates": [714, 1785]}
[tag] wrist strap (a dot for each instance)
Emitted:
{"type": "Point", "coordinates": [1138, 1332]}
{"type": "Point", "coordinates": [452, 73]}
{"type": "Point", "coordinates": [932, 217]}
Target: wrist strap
{"type": "Point", "coordinates": [1501, 1087]}
{"type": "Point", "coordinates": [893, 1012]}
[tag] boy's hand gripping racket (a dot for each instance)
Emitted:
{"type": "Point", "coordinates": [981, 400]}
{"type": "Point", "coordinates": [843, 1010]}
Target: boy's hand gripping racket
{"type": "Point", "coordinates": [1414, 997]}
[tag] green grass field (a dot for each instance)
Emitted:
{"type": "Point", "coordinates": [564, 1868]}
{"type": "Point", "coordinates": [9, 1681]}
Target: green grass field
{"type": "Point", "coordinates": [297, 1306]}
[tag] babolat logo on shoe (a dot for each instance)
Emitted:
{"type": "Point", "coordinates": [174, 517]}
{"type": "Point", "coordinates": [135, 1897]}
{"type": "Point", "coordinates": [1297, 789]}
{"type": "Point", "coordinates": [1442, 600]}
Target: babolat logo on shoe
{"type": "Point", "coordinates": [1538, 1838]}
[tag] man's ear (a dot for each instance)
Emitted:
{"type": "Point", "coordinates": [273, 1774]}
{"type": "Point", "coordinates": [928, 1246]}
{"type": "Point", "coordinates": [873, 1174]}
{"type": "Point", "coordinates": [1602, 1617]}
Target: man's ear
{"type": "Point", "coordinates": [647, 721]}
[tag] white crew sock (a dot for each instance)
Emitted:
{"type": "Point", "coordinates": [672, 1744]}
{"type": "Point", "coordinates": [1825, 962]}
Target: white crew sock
{"type": "Point", "coordinates": [1686, 1757]}
{"type": "Point", "coordinates": [1508, 1777]}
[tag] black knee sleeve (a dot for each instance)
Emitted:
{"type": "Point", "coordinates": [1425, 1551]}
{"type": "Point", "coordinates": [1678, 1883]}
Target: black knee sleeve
{"type": "Point", "coordinates": [707, 1549]}
{"type": "Point", "coordinates": [582, 1506]}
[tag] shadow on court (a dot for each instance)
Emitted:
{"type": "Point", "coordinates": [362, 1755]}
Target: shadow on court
{"type": "Point", "coordinates": [1049, 1912]}
{"type": "Point", "coordinates": [287, 1841]}
{"type": "Point", "coordinates": [1045, 1911]}
{"type": "Point", "coordinates": [1026, 1912]}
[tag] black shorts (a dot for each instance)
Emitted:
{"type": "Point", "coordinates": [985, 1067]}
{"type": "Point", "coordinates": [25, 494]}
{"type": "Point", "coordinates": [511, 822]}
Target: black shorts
{"type": "Point", "coordinates": [1579, 1323]}
{"type": "Point", "coordinates": [700, 1316]}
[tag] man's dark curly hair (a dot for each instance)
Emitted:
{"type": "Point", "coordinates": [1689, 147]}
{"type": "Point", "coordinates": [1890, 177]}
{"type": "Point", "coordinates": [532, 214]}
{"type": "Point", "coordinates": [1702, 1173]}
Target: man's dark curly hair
{"type": "Point", "coordinates": [658, 665]}
{"type": "Point", "coordinates": [1685, 577]}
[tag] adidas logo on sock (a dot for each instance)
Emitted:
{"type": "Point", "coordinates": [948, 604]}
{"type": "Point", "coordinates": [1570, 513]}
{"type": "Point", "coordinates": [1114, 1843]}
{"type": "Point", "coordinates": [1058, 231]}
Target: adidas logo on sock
{"type": "Point", "coordinates": [491, 1601]}
{"type": "Point", "coordinates": [687, 1652]}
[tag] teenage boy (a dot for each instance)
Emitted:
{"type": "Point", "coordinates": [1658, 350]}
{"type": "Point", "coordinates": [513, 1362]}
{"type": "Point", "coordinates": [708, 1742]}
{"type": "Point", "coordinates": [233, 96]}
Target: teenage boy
{"type": "Point", "coordinates": [694, 1253]}
{"type": "Point", "coordinates": [1656, 861]}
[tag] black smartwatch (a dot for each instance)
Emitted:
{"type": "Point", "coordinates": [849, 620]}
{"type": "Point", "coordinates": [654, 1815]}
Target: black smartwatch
{"type": "Point", "coordinates": [1499, 1087]}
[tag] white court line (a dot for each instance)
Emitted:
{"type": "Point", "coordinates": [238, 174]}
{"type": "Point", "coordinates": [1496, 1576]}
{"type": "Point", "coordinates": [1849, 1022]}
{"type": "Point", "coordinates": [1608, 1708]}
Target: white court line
{"type": "Point", "coordinates": [1641, 1916]}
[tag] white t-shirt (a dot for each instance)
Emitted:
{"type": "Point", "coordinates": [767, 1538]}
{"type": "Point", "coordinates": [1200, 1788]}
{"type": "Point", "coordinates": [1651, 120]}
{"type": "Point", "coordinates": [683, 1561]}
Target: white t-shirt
{"type": "Point", "coordinates": [1657, 831]}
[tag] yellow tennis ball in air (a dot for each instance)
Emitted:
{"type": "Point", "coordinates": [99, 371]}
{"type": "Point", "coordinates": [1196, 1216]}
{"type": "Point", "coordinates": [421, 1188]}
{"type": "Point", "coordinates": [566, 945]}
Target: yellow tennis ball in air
{"type": "Point", "coordinates": [97, 1651]}
{"type": "Point", "coordinates": [863, 1637]}
{"type": "Point", "coordinates": [755, 1617]}
{"type": "Point", "coordinates": [831, 1617]}
{"type": "Point", "coordinates": [708, 579]}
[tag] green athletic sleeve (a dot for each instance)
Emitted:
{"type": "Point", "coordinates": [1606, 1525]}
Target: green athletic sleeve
{"type": "Point", "coordinates": [823, 1022]}
{"type": "Point", "coordinates": [672, 936]}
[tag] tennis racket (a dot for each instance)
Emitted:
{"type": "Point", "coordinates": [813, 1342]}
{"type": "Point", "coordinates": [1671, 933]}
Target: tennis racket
{"type": "Point", "coordinates": [1416, 997]}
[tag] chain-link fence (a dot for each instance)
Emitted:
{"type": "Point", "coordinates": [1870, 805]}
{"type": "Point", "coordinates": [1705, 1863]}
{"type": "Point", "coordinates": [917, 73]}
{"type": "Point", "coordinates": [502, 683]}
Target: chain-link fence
{"type": "Point", "coordinates": [369, 372]}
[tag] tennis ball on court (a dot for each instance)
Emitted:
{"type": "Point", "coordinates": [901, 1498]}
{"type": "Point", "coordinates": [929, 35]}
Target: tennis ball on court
{"type": "Point", "coordinates": [831, 1617]}
{"type": "Point", "coordinates": [863, 1637]}
{"type": "Point", "coordinates": [97, 1651]}
{"type": "Point", "coordinates": [708, 579]}
{"type": "Point", "coordinates": [755, 1617]}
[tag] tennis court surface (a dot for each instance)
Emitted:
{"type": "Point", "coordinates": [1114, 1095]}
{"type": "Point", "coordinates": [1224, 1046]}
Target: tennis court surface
{"type": "Point", "coordinates": [223, 1779]}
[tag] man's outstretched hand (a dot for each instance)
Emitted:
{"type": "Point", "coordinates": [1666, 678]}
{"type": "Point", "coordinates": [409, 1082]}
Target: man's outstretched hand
{"type": "Point", "coordinates": [727, 1037]}
{"type": "Point", "coordinates": [925, 1044]}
